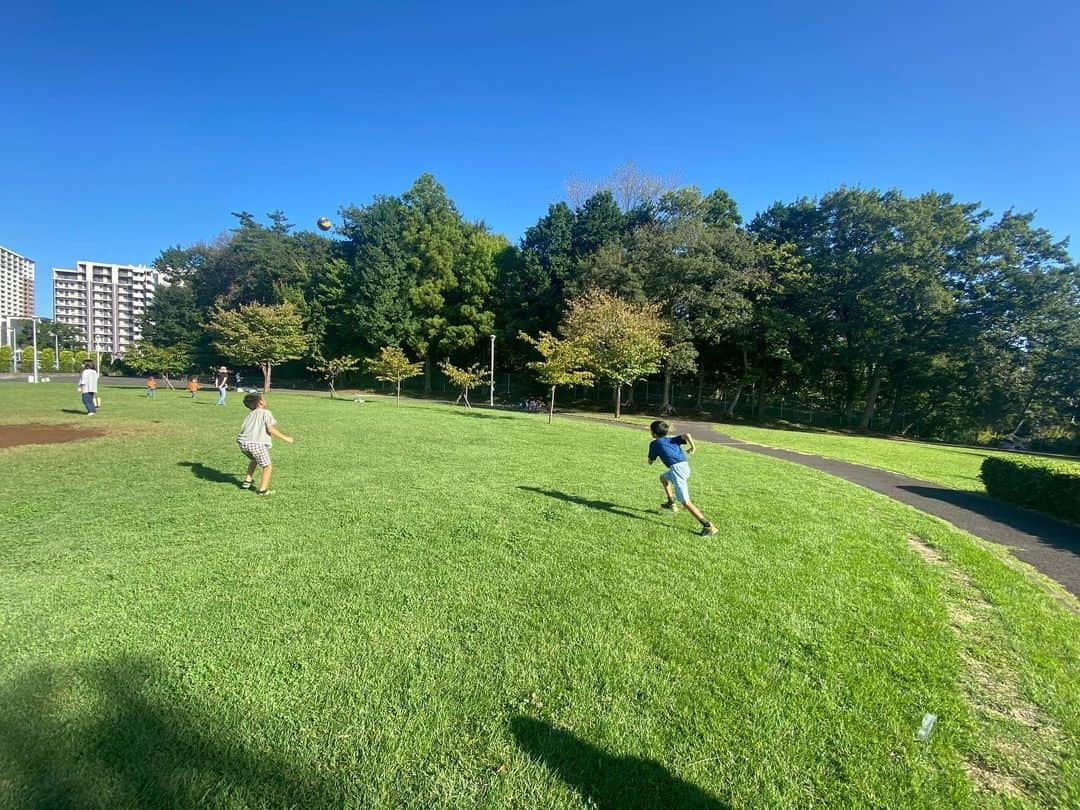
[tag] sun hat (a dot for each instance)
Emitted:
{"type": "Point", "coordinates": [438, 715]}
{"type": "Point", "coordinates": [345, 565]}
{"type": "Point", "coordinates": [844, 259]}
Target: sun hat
{"type": "Point", "coordinates": [223, 369]}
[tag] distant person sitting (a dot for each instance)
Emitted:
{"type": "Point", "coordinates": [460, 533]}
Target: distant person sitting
{"type": "Point", "coordinates": [88, 387]}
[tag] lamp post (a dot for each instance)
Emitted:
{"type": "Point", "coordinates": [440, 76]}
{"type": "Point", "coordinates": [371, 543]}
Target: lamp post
{"type": "Point", "coordinates": [491, 369]}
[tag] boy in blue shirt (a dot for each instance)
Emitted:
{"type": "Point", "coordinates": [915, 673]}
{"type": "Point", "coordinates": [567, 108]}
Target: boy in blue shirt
{"type": "Point", "coordinates": [675, 480]}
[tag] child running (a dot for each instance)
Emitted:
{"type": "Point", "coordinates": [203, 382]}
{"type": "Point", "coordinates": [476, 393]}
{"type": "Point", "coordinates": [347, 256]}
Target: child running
{"type": "Point", "coordinates": [193, 386]}
{"type": "Point", "coordinates": [151, 387]}
{"type": "Point", "coordinates": [669, 450]}
{"type": "Point", "coordinates": [255, 441]}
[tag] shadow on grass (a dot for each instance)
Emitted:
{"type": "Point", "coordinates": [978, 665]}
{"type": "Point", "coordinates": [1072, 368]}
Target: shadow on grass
{"type": "Point", "coordinates": [73, 410]}
{"type": "Point", "coordinates": [603, 506]}
{"type": "Point", "coordinates": [1050, 530]}
{"type": "Point", "coordinates": [200, 470]}
{"type": "Point", "coordinates": [133, 742]}
{"type": "Point", "coordinates": [603, 780]}
{"type": "Point", "coordinates": [475, 414]}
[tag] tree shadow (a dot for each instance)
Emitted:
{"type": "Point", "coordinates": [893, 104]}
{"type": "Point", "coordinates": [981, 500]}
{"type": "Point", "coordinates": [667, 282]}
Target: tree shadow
{"type": "Point", "coordinates": [604, 780]}
{"type": "Point", "coordinates": [603, 506]}
{"type": "Point", "coordinates": [475, 414]}
{"type": "Point", "coordinates": [1052, 531]}
{"type": "Point", "coordinates": [200, 470]}
{"type": "Point", "coordinates": [130, 743]}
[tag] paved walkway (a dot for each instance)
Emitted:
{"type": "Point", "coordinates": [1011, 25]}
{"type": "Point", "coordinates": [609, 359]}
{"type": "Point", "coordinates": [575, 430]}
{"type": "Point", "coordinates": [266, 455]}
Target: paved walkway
{"type": "Point", "coordinates": [1048, 545]}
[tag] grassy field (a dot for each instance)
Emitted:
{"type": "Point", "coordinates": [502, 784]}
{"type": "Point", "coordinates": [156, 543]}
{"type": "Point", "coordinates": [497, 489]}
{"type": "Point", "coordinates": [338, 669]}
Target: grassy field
{"type": "Point", "coordinates": [448, 609]}
{"type": "Point", "coordinates": [957, 467]}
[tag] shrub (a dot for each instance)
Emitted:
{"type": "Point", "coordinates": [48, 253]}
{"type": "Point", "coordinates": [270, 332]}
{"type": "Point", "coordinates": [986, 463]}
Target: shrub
{"type": "Point", "coordinates": [1038, 483]}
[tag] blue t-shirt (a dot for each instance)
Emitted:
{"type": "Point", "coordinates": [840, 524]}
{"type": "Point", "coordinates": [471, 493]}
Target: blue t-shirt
{"type": "Point", "coordinates": [667, 449]}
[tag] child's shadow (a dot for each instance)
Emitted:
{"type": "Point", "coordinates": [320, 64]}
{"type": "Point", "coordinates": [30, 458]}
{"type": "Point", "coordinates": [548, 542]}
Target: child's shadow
{"type": "Point", "coordinates": [603, 506]}
{"type": "Point", "coordinates": [208, 473]}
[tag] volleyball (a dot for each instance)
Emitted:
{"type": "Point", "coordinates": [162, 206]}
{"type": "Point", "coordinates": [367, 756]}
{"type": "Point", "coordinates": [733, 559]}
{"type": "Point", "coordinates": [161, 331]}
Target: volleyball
{"type": "Point", "coordinates": [323, 223]}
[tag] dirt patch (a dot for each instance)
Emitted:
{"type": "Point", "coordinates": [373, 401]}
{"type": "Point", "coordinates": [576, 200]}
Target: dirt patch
{"type": "Point", "coordinates": [16, 435]}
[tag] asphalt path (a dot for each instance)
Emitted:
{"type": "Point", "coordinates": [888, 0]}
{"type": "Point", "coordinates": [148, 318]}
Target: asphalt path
{"type": "Point", "coordinates": [1049, 545]}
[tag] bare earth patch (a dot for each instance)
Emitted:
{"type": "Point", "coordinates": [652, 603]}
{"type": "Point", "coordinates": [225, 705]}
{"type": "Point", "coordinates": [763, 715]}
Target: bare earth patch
{"type": "Point", "coordinates": [16, 435]}
{"type": "Point", "coordinates": [1020, 741]}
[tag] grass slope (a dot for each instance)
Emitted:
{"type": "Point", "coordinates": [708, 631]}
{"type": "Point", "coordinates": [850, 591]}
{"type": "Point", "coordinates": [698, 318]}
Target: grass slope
{"type": "Point", "coordinates": [447, 609]}
{"type": "Point", "coordinates": [956, 467]}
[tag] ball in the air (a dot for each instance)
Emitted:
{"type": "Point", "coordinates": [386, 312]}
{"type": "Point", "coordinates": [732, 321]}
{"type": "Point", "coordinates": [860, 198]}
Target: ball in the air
{"type": "Point", "coordinates": [323, 223]}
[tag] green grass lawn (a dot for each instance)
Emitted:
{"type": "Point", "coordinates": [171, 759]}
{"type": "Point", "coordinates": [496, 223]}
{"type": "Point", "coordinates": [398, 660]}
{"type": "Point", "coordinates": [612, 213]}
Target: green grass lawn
{"type": "Point", "coordinates": [448, 609]}
{"type": "Point", "coordinates": [956, 467]}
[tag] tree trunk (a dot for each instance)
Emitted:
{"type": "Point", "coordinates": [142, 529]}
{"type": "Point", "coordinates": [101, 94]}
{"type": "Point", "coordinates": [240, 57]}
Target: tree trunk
{"type": "Point", "coordinates": [734, 401]}
{"type": "Point", "coordinates": [266, 369]}
{"type": "Point", "coordinates": [465, 394]}
{"type": "Point", "coordinates": [169, 384]}
{"type": "Point", "coordinates": [618, 400]}
{"type": "Point", "coordinates": [551, 405]}
{"type": "Point", "coordinates": [427, 375]}
{"type": "Point", "coordinates": [331, 388]}
{"type": "Point", "coordinates": [397, 393]}
{"type": "Point", "coordinates": [701, 391]}
{"type": "Point", "coordinates": [665, 405]}
{"type": "Point", "coordinates": [871, 398]}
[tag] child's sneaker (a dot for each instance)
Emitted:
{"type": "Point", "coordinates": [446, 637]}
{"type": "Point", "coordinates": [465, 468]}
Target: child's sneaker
{"type": "Point", "coordinates": [246, 484]}
{"type": "Point", "coordinates": [264, 492]}
{"type": "Point", "coordinates": [708, 530]}
{"type": "Point", "coordinates": [674, 507]}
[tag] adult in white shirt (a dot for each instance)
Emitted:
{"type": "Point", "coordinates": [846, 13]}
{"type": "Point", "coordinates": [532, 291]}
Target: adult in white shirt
{"type": "Point", "coordinates": [88, 385]}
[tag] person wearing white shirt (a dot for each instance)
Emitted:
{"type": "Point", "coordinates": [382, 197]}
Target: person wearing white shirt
{"type": "Point", "coordinates": [88, 385]}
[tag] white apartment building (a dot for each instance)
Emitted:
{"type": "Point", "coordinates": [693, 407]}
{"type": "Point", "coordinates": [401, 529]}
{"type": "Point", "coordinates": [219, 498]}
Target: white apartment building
{"type": "Point", "coordinates": [104, 302]}
{"type": "Point", "coordinates": [16, 285]}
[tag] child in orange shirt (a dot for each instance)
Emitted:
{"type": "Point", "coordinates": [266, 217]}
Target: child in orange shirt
{"type": "Point", "coordinates": [193, 386]}
{"type": "Point", "coordinates": [151, 387]}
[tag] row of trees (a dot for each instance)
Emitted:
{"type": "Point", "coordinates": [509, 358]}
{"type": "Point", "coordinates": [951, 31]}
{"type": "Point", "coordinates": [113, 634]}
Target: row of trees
{"type": "Point", "coordinates": [924, 311]}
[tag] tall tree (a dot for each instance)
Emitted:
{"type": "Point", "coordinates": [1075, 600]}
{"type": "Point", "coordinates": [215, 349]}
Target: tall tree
{"type": "Point", "coordinates": [265, 336]}
{"type": "Point", "coordinates": [624, 341]}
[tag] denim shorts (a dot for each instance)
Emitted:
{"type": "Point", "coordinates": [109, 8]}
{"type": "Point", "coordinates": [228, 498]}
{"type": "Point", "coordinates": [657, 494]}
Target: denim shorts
{"type": "Point", "coordinates": [678, 476]}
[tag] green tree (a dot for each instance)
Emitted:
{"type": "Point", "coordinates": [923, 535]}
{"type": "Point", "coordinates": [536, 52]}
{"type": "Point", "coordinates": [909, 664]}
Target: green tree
{"type": "Point", "coordinates": [67, 361]}
{"type": "Point", "coordinates": [565, 362]}
{"type": "Point", "coordinates": [331, 369]}
{"type": "Point", "coordinates": [391, 365]}
{"type": "Point", "coordinates": [433, 241]}
{"type": "Point", "coordinates": [376, 309]}
{"type": "Point", "coordinates": [26, 359]}
{"type": "Point", "coordinates": [5, 359]}
{"type": "Point", "coordinates": [464, 379]}
{"type": "Point", "coordinates": [144, 357]}
{"type": "Point", "coordinates": [624, 341]}
{"type": "Point", "coordinates": [255, 334]}
{"type": "Point", "coordinates": [46, 359]}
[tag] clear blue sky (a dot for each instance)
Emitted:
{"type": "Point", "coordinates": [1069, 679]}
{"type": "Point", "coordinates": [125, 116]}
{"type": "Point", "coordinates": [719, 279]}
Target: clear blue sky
{"type": "Point", "coordinates": [131, 127]}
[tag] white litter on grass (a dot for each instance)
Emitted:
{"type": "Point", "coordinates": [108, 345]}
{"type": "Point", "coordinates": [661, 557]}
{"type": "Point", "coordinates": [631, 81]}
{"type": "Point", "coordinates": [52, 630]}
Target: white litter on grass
{"type": "Point", "coordinates": [927, 726]}
{"type": "Point", "coordinates": [358, 400]}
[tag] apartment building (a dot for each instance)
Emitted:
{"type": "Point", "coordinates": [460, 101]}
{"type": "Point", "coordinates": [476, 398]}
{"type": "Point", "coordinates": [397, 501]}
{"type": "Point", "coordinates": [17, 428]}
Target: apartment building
{"type": "Point", "coordinates": [104, 302]}
{"type": "Point", "coordinates": [16, 285]}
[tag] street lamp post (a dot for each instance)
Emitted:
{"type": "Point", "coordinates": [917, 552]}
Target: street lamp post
{"type": "Point", "coordinates": [491, 397]}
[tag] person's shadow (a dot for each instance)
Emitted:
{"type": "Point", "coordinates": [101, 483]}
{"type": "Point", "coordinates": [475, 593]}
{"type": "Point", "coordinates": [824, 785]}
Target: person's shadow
{"type": "Point", "coordinates": [209, 473]}
{"type": "Point", "coordinates": [591, 503]}
{"type": "Point", "coordinates": [604, 780]}
{"type": "Point", "coordinates": [140, 743]}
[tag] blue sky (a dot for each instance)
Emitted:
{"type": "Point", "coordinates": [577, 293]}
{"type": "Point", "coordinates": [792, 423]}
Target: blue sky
{"type": "Point", "coordinates": [132, 127]}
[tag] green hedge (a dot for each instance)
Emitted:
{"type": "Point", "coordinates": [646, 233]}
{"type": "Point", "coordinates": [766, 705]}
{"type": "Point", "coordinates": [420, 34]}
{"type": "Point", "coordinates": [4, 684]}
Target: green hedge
{"type": "Point", "coordinates": [1037, 483]}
